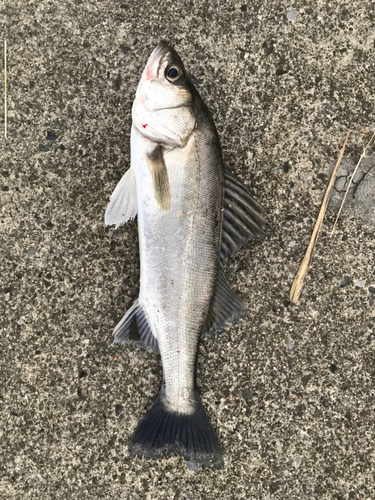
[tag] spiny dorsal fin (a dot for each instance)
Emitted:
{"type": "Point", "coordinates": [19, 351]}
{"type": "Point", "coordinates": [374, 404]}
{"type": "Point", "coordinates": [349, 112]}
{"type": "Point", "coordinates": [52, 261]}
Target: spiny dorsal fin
{"type": "Point", "coordinates": [135, 329]}
{"type": "Point", "coordinates": [226, 305]}
{"type": "Point", "coordinates": [242, 217]}
{"type": "Point", "coordinates": [160, 181]}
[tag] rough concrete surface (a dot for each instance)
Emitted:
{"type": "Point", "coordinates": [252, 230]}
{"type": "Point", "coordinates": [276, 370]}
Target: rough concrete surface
{"type": "Point", "coordinates": [289, 388]}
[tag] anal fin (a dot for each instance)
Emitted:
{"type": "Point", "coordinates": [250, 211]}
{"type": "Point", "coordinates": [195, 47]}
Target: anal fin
{"type": "Point", "coordinates": [226, 305]}
{"type": "Point", "coordinates": [134, 328]}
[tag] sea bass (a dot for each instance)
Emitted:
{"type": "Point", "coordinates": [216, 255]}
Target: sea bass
{"type": "Point", "coordinates": [192, 213]}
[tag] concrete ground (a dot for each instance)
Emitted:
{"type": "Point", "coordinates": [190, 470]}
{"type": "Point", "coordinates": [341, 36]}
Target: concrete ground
{"type": "Point", "coordinates": [289, 388]}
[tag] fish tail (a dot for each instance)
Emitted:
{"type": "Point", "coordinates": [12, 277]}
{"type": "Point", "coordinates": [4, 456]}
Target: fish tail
{"type": "Point", "coordinates": [161, 432]}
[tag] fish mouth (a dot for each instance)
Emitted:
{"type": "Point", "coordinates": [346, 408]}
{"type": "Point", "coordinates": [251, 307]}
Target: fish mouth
{"type": "Point", "coordinates": [161, 52]}
{"type": "Point", "coordinates": [173, 107]}
{"type": "Point", "coordinates": [162, 47]}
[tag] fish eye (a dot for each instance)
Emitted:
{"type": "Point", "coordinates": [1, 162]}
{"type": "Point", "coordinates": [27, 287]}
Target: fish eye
{"type": "Point", "coordinates": [173, 73]}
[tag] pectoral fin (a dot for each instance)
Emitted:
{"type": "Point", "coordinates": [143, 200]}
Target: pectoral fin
{"type": "Point", "coordinates": [123, 205]}
{"type": "Point", "coordinates": [160, 181]}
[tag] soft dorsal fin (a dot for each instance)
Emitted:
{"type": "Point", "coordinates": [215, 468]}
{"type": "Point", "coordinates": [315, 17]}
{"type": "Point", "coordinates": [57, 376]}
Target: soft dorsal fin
{"type": "Point", "coordinates": [226, 305]}
{"type": "Point", "coordinates": [160, 181]}
{"type": "Point", "coordinates": [123, 205]}
{"type": "Point", "coordinates": [242, 217]}
{"type": "Point", "coordinates": [134, 328]}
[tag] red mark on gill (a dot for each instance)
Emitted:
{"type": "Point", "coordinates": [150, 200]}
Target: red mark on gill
{"type": "Point", "coordinates": [145, 125]}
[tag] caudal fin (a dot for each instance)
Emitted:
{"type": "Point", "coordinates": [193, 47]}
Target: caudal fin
{"type": "Point", "coordinates": [161, 432]}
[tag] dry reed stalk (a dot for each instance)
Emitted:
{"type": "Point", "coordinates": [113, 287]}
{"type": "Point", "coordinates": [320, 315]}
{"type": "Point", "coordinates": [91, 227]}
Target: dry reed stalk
{"type": "Point", "coordinates": [297, 285]}
{"type": "Point", "coordinates": [5, 92]}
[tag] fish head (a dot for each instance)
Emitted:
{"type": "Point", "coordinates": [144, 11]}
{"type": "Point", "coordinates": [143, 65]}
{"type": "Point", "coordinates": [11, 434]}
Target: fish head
{"type": "Point", "coordinates": [162, 109]}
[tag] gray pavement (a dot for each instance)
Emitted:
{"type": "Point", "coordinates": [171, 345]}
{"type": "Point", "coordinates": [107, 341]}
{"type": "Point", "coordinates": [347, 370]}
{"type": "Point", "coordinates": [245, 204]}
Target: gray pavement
{"type": "Point", "coordinates": [289, 388]}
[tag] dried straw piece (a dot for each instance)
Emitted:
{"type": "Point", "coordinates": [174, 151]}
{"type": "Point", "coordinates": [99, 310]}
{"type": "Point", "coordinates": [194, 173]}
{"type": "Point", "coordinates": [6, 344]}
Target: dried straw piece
{"type": "Point", "coordinates": [297, 285]}
{"type": "Point", "coordinates": [350, 182]}
{"type": "Point", "coordinates": [5, 92]}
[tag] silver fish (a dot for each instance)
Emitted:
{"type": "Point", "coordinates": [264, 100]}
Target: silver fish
{"type": "Point", "coordinates": [192, 213]}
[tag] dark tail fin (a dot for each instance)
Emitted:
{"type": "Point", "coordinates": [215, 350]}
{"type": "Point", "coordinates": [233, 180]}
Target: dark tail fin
{"type": "Point", "coordinates": [161, 432]}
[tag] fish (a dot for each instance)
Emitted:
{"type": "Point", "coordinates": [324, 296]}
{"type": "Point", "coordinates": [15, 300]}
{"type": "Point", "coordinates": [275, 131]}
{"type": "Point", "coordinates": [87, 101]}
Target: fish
{"type": "Point", "coordinates": [192, 213]}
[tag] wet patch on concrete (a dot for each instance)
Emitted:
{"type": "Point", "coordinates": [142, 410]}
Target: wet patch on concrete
{"type": "Point", "coordinates": [360, 200]}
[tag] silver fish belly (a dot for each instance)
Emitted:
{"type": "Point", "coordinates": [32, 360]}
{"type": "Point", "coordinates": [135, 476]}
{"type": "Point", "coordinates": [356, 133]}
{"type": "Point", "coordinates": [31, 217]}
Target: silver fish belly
{"type": "Point", "coordinates": [191, 215]}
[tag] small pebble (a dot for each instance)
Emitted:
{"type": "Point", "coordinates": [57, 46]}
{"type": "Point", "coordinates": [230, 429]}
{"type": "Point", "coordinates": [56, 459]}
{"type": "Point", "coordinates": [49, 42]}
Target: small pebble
{"type": "Point", "coordinates": [31, 252]}
{"type": "Point", "coordinates": [292, 243]}
{"type": "Point", "coordinates": [192, 466]}
{"type": "Point", "coordinates": [305, 379]}
{"type": "Point", "coordinates": [51, 136]}
{"type": "Point", "coordinates": [371, 289]}
{"type": "Point", "coordinates": [118, 409]}
{"type": "Point", "coordinates": [273, 487]}
{"type": "Point", "coordinates": [247, 394]}
{"type": "Point", "coordinates": [359, 283]}
{"type": "Point", "coordinates": [297, 462]}
{"type": "Point", "coordinates": [291, 15]}
{"type": "Point", "coordinates": [346, 281]}
{"type": "Point", "coordinates": [289, 343]}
